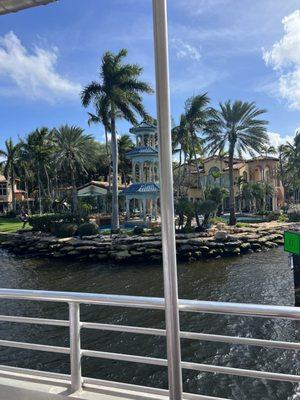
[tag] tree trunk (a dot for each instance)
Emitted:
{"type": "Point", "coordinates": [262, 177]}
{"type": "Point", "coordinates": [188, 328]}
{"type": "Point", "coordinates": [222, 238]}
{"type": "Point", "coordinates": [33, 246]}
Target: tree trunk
{"type": "Point", "coordinates": [232, 219]}
{"type": "Point", "coordinates": [115, 225]}
{"type": "Point", "coordinates": [13, 194]}
{"type": "Point", "coordinates": [179, 174]}
{"type": "Point", "coordinates": [74, 193]}
{"type": "Point", "coordinates": [27, 195]}
{"type": "Point", "coordinates": [40, 191]}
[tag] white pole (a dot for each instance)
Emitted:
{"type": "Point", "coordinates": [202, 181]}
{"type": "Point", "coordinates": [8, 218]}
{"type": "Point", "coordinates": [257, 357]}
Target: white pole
{"type": "Point", "coordinates": [166, 197]}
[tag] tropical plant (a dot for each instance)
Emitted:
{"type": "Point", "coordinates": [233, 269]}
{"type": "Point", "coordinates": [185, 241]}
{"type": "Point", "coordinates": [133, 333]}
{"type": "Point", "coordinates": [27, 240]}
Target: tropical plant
{"type": "Point", "coordinates": [216, 194]}
{"type": "Point", "coordinates": [10, 163]}
{"type": "Point", "coordinates": [118, 93]}
{"type": "Point", "coordinates": [185, 210]}
{"type": "Point", "coordinates": [237, 126]}
{"type": "Point", "coordinates": [185, 136]}
{"type": "Point", "coordinates": [37, 148]}
{"type": "Point", "coordinates": [206, 208]}
{"type": "Point", "coordinates": [125, 144]}
{"type": "Point", "coordinates": [73, 152]}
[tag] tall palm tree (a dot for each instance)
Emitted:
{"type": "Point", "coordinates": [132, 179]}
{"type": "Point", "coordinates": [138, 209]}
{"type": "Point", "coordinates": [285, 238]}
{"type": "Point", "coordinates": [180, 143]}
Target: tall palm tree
{"type": "Point", "coordinates": [117, 93]}
{"type": "Point", "coordinates": [125, 144]}
{"type": "Point", "coordinates": [238, 127]}
{"type": "Point", "coordinates": [73, 154]}
{"type": "Point", "coordinates": [11, 155]}
{"type": "Point", "coordinates": [37, 148]}
{"type": "Point", "coordinates": [192, 122]}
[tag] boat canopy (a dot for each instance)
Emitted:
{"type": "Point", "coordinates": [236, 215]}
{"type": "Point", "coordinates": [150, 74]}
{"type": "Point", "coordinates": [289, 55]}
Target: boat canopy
{"type": "Point", "coordinates": [9, 6]}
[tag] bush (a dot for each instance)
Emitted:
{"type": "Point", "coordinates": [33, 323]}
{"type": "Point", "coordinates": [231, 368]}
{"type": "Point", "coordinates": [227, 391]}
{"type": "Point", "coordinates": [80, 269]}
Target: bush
{"type": "Point", "coordinates": [294, 216]}
{"type": "Point", "coordinates": [47, 222]}
{"type": "Point", "coordinates": [10, 214]}
{"type": "Point", "coordinates": [138, 230]}
{"type": "Point", "coordinates": [273, 215]}
{"type": "Point", "coordinates": [283, 218]}
{"type": "Point", "coordinates": [66, 230]}
{"type": "Point", "coordinates": [88, 229]}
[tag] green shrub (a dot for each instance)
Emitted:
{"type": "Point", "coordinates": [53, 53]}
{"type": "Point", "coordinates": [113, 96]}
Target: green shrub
{"type": "Point", "coordinates": [294, 216]}
{"type": "Point", "coordinates": [242, 225]}
{"type": "Point", "coordinates": [47, 222]}
{"type": "Point", "coordinates": [138, 230]}
{"type": "Point", "coordinates": [88, 229]}
{"type": "Point", "coordinates": [216, 220]}
{"type": "Point", "coordinates": [10, 214]}
{"type": "Point", "coordinates": [66, 230]}
{"type": "Point", "coordinates": [283, 218]}
{"type": "Point", "coordinates": [273, 215]}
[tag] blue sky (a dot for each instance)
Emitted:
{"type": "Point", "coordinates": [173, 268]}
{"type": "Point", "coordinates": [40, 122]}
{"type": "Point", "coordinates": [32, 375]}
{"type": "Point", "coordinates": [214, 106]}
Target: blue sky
{"type": "Point", "coordinates": [248, 50]}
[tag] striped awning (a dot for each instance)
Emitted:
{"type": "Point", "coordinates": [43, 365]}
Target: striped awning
{"type": "Point", "coordinates": [9, 6]}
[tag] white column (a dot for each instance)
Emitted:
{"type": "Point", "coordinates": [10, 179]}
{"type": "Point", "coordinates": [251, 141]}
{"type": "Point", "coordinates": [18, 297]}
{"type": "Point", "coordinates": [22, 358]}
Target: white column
{"type": "Point", "coordinates": [133, 171]}
{"type": "Point", "coordinates": [144, 209]}
{"type": "Point", "coordinates": [127, 208]}
{"type": "Point", "coordinates": [166, 198]}
{"type": "Point", "coordinates": [142, 172]}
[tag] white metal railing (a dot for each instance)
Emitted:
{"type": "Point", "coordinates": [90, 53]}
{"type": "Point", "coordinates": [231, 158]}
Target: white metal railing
{"type": "Point", "coordinates": [75, 325]}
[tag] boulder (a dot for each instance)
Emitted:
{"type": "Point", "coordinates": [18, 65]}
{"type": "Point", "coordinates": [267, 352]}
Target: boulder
{"type": "Point", "coordinates": [221, 236]}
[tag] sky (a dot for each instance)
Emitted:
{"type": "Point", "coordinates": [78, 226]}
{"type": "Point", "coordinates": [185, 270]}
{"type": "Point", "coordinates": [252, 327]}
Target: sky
{"type": "Point", "coordinates": [247, 50]}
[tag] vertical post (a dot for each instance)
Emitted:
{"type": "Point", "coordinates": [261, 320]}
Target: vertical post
{"type": "Point", "coordinates": [74, 317]}
{"type": "Point", "coordinates": [166, 198]}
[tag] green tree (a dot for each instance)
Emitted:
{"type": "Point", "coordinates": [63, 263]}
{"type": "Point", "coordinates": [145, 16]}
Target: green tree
{"type": "Point", "coordinates": [117, 93]}
{"type": "Point", "coordinates": [37, 148]}
{"type": "Point", "coordinates": [206, 208]}
{"type": "Point", "coordinates": [73, 153]}
{"type": "Point", "coordinates": [238, 126]}
{"type": "Point", "coordinates": [186, 135]}
{"type": "Point", "coordinates": [10, 163]}
{"type": "Point", "coordinates": [125, 144]}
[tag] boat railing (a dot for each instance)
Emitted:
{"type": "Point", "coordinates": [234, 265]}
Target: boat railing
{"type": "Point", "coordinates": [74, 300]}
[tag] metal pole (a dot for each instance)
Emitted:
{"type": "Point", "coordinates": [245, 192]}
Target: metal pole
{"type": "Point", "coordinates": [166, 197]}
{"type": "Point", "coordinates": [74, 316]}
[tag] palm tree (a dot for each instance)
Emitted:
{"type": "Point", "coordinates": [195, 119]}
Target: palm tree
{"type": "Point", "coordinates": [73, 153]}
{"type": "Point", "coordinates": [237, 126]}
{"type": "Point", "coordinates": [125, 144]}
{"type": "Point", "coordinates": [267, 149]}
{"type": "Point", "coordinates": [37, 148]}
{"type": "Point", "coordinates": [11, 155]}
{"type": "Point", "coordinates": [192, 122]}
{"type": "Point", "coordinates": [117, 94]}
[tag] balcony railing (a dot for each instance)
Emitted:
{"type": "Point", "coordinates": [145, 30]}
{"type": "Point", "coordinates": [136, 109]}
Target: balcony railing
{"type": "Point", "coordinates": [77, 382]}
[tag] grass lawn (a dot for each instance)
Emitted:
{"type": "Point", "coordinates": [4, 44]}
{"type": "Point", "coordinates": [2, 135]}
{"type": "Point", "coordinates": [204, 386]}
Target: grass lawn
{"type": "Point", "coordinates": [10, 224]}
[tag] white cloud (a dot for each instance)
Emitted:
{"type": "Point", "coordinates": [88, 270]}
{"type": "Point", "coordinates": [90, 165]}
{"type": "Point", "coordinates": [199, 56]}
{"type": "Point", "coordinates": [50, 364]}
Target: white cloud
{"type": "Point", "coordinates": [276, 139]}
{"type": "Point", "coordinates": [284, 57]}
{"type": "Point", "coordinates": [33, 74]}
{"type": "Point", "coordinates": [185, 50]}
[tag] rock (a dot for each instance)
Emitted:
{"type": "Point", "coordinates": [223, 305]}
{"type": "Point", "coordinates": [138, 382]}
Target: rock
{"type": "Point", "coordinates": [221, 236]}
{"type": "Point", "coordinates": [73, 253]}
{"type": "Point", "coordinates": [135, 253]}
{"type": "Point", "coordinates": [152, 251]}
{"type": "Point", "coordinates": [121, 255]}
{"type": "Point", "coordinates": [245, 247]}
{"type": "Point", "coordinates": [256, 246]}
{"type": "Point", "coordinates": [215, 252]}
{"type": "Point", "coordinates": [102, 257]}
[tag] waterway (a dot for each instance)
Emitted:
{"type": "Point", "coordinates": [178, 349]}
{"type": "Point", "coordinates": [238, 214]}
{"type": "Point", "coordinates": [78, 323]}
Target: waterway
{"type": "Point", "coordinates": [255, 278]}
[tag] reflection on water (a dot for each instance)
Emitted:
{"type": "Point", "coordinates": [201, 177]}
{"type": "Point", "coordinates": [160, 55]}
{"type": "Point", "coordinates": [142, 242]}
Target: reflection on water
{"type": "Point", "coordinates": [255, 278]}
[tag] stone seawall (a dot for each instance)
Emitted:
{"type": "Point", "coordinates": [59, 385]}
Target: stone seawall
{"type": "Point", "coordinates": [145, 249]}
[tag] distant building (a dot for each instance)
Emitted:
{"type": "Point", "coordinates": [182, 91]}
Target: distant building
{"type": "Point", "coordinates": [144, 190]}
{"type": "Point", "coordinates": [214, 171]}
{"type": "Point", "coordinates": [6, 195]}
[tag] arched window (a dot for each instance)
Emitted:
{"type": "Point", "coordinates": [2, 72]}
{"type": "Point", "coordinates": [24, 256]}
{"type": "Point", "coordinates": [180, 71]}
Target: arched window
{"type": "Point", "coordinates": [214, 176]}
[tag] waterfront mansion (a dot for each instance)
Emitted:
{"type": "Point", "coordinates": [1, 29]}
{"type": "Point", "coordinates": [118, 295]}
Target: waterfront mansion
{"type": "Point", "coordinates": [6, 195]}
{"type": "Point", "coordinates": [213, 171]}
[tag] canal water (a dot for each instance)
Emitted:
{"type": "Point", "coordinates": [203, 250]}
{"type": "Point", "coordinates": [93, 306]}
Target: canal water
{"type": "Point", "coordinates": [255, 278]}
